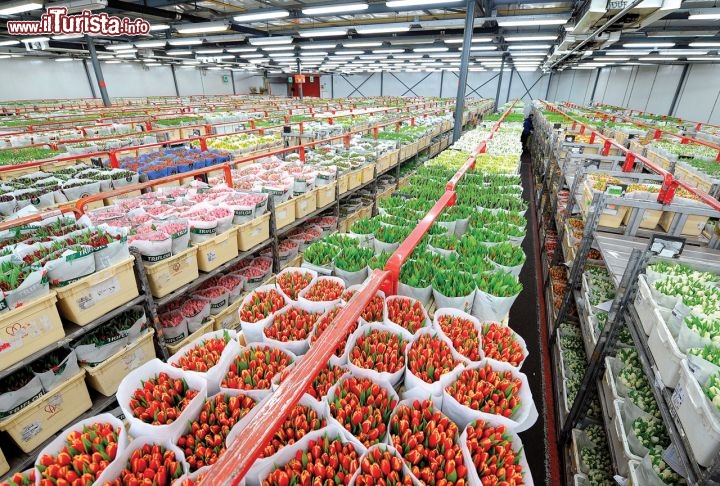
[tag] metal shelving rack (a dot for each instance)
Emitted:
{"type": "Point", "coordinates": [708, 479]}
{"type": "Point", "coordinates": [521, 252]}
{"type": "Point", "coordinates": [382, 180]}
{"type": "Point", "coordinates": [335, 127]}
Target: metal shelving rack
{"type": "Point", "coordinates": [626, 257]}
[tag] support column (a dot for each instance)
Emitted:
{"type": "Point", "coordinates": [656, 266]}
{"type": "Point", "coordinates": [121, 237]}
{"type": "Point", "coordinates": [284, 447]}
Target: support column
{"type": "Point", "coordinates": [172, 70]}
{"type": "Point", "coordinates": [300, 85]}
{"type": "Point", "coordinates": [442, 81]}
{"type": "Point", "coordinates": [497, 94]}
{"type": "Point", "coordinates": [683, 76]}
{"type": "Point", "coordinates": [89, 78]}
{"type": "Point", "coordinates": [98, 71]}
{"type": "Point", "coordinates": [232, 80]}
{"type": "Point", "coordinates": [507, 96]}
{"type": "Point", "coordinates": [597, 78]}
{"type": "Point", "coordinates": [381, 82]}
{"type": "Point", "coordinates": [464, 61]}
{"type": "Point", "coordinates": [547, 91]}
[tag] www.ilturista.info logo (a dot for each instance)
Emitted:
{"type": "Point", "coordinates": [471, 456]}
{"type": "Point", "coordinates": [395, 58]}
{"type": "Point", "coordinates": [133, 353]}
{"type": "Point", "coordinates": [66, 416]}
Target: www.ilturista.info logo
{"type": "Point", "coordinates": [56, 21]}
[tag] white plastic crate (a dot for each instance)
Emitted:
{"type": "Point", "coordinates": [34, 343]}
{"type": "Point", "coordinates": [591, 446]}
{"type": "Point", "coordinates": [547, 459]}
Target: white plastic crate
{"type": "Point", "coordinates": [666, 353]}
{"type": "Point", "coordinates": [623, 453]}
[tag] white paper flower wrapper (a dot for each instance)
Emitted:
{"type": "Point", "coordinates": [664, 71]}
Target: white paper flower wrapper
{"type": "Point", "coordinates": [351, 278]}
{"type": "Point", "coordinates": [421, 294]}
{"type": "Point", "coordinates": [320, 270]}
{"type": "Point", "coordinates": [132, 381]}
{"type": "Point", "coordinates": [296, 347]}
{"type": "Point", "coordinates": [412, 381]}
{"type": "Point", "coordinates": [448, 311]}
{"type": "Point", "coordinates": [67, 368]}
{"type": "Point", "coordinates": [463, 303]}
{"type": "Point", "coordinates": [193, 476]}
{"type": "Point", "coordinates": [393, 378]}
{"type": "Point", "coordinates": [366, 241]}
{"type": "Point", "coordinates": [427, 323]}
{"type": "Point", "coordinates": [288, 453]}
{"type": "Point", "coordinates": [113, 471]}
{"type": "Point", "coordinates": [210, 376]}
{"type": "Point", "coordinates": [252, 479]}
{"type": "Point", "coordinates": [314, 306]}
{"type": "Point", "coordinates": [301, 270]}
{"type": "Point", "coordinates": [253, 331]}
{"type": "Point", "coordinates": [227, 359]}
{"type": "Point", "coordinates": [632, 412]}
{"type": "Point", "coordinates": [489, 308]}
{"type": "Point", "coordinates": [385, 447]}
{"type": "Point", "coordinates": [386, 247]}
{"type": "Point", "coordinates": [54, 447]}
{"type": "Point", "coordinates": [359, 373]}
{"type": "Point", "coordinates": [524, 418]}
{"type": "Point", "coordinates": [517, 446]}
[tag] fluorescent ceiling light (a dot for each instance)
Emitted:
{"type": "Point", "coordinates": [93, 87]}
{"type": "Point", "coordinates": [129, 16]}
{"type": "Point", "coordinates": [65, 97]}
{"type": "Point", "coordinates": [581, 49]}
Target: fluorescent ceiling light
{"type": "Point", "coordinates": [274, 55]}
{"type": "Point", "coordinates": [214, 68]}
{"type": "Point", "coordinates": [380, 29]}
{"type": "Point", "coordinates": [202, 27]}
{"type": "Point", "coordinates": [529, 38]}
{"type": "Point", "coordinates": [64, 59]}
{"type": "Point", "coordinates": [342, 58]}
{"type": "Point", "coordinates": [67, 36]}
{"type": "Point", "coordinates": [151, 43]}
{"type": "Point", "coordinates": [322, 32]}
{"type": "Point", "coordinates": [191, 62]}
{"type": "Point", "coordinates": [408, 56]}
{"type": "Point", "coordinates": [187, 67]}
{"type": "Point", "coordinates": [326, 45]}
{"type": "Point", "coordinates": [105, 56]}
{"type": "Point", "coordinates": [127, 56]}
{"type": "Point", "coordinates": [273, 14]}
{"type": "Point", "coordinates": [289, 47]}
{"type": "Point", "coordinates": [658, 58]}
{"type": "Point", "coordinates": [271, 41]}
{"type": "Point", "coordinates": [342, 8]}
{"type": "Point", "coordinates": [113, 62]}
{"type": "Point", "coordinates": [257, 61]}
{"type": "Point", "coordinates": [179, 52]}
{"type": "Point", "coordinates": [430, 49]}
{"type": "Point", "coordinates": [251, 56]}
{"type": "Point", "coordinates": [648, 45]}
{"type": "Point", "coordinates": [526, 68]}
{"type": "Point", "coordinates": [349, 52]}
{"type": "Point", "coordinates": [209, 51]}
{"type": "Point", "coordinates": [241, 49]}
{"type": "Point", "coordinates": [153, 64]}
{"type": "Point", "coordinates": [519, 21]}
{"type": "Point", "coordinates": [306, 55]}
{"type": "Point", "coordinates": [418, 3]}
{"type": "Point", "coordinates": [184, 42]}
{"type": "Point", "coordinates": [20, 7]}
{"type": "Point", "coordinates": [709, 58]}
{"type": "Point", "coordinates": [705, 16]}
{"type": "Point", "coordinates": [483, 48]}
{"type": "Point", "coordinates": [9, 43]}
{"type": "Point", "coordinates": [155, 27]}
{"type": "Point", "coordinates": [119, 47]}
{"type": "Point", "coordinates": [680, 52]}
{"type": "Point", "coordinates": [37, 39]}
{"type": "Point", "coordinates": [616, 59]}
{"type": "Point", "coordinates": [474, 40]}
{"type": "Point", "coordinates": [387, 51]}
{"type": "Point", "coordinates": [362, 44]}
{"type": "Point", "coordinates": [704, 44]}
{"type": "Point", "coordinates": [528, 47]}
{"type": "Point", "coordinates": [627, 53]}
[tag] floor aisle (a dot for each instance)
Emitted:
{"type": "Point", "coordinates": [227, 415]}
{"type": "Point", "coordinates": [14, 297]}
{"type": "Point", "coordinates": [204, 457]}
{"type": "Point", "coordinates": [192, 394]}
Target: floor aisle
{"type": "Point", "coordinates": [541, 452]}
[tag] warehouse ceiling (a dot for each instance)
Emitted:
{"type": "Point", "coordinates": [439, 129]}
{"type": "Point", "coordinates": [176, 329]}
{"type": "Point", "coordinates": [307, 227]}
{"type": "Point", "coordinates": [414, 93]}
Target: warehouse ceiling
{"type": "Point", "coordinates": [282, 36]}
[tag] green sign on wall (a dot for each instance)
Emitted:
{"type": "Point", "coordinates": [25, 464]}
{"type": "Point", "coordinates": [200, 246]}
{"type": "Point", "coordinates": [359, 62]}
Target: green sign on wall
{"type": "Point", "coordinates": [226, 78]}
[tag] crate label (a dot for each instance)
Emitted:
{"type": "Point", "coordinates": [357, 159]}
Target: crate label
{"type": "Point", "coordinates": [18, 331]}
{"type": "Point", "coordinates": [30, 431]}
{"type": "Point", "coordinates": [255, 232]}
{"type": "Point", "coordinates": [177, 268]}
{"type": "Point", "coordinates": [211, 256]}
{"type": "Point", "coordinates": [98, 293]}
{"type": "Point", "coordinates": [678, 396]}
{"type": "Point", "coordinates": [133, 360]}
{"type": "Point", "coordinates": [282, 213]}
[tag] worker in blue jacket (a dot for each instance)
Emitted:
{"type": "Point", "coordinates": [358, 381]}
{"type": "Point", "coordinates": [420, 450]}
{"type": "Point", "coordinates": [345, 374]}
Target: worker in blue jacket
{"type": "Point", "coordinates": [527, 131]}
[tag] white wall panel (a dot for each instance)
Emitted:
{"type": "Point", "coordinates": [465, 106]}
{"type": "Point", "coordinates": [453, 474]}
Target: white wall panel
{"type": "Point", "coordinates": [663, 90]}
{"type": "Point", "coordinates": [243, 82]}
{"type": "Point", "coordinates": [565, 82]}
{"type": "Point", "coordinates": [344, 86]}
{"type": "Point", "coordinates": [700, 93]}
{"type": "Point", "coordinates": [643, 83]}
{"type": "Point", "coordinates": [617, 85]}
{"type": "Point", "coordinates": [133, 79]}
{"type": "Point", "coordinates": [28, 79]}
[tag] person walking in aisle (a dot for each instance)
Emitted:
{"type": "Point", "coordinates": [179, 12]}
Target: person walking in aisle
{"type": "Point", "coordinates": [527, 131]}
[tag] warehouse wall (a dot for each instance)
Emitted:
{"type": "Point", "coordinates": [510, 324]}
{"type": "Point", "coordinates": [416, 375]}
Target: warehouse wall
{"type": "Point", "coordinates": [645, 88]}
{"type": "Point", "coordinates": [23, 79]}
{"type": "Point", "coordinates": [480, 84]}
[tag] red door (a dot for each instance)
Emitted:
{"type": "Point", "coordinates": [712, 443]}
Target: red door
{"type": "Point", "coordinates": [310, 89]}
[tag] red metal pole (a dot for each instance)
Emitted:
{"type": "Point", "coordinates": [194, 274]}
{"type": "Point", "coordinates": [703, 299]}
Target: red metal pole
{"type": "Point", "coordinates": [240, 456]}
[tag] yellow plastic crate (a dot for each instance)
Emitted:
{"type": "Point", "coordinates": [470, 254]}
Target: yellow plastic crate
{"type": "Point", "coordinates": [205, 328]}
{"type": "Point", "coordinates": [305, 204]}
{"type": "Point", "coordinates": [93, 296]}
{"type": "Point", "coordinates": [383, 162]}
{"type": "Point", "coordinates": [394, 157]}
{"type": "Point", "coordinates": [694, 224]}
{"type": "Point", "coordinates": [343, 183]}
{"type": "Point", "coordinates": [253, 232]}
{"type": "Point", "coordinates": [355, 178]}
{"type": "Point", "coordinates": [4, 466]}
{"type": "Point", "coordinates": [217, 250]}
{"type": "Point", "coordinates": [368, 173]}
{"type": "Point", "coordinates": [172, 273]}
{"type": "Point", "coordinates": [29, 328]}
{"type": "Point", "coordinates": [325, 195]}
{"type": "Point", "coordinates": [284, 214]}
{"type": "Point", "coordinates": [228, 318]}
{"type": "Point", "coordinates": [49, 414]}
{"type": "Point", "coordinates": [106, 376]}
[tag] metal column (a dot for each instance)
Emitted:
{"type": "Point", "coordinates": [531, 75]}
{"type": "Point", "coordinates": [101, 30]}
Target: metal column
{"type": "Point", "coordinates": [442, 81]}
{"type": "Point", "coordinates": [300, 90]}
{"type": "Point", "coordinates": [172, 70]}
{"type": "Point", "coordinates": [89, 78]}
{"type": "Point", "coordinates": [507, 97]}
{"type": "Point", "coordinates": [547, 91]}
{"type": "Point", "coordinates": [685, 70]}
{"type": "Point", "coordinates": [381, 83]}
{"type": "Point", "coordinates": [232, 80]}
{"type": "Point", "coordinates": [497, 94]}
{"type": "Point", "coordinates": [597, 78]}
{"type": "Point", "coordinates": [464, 61]}
{"type": "Point", "coordinates": [98, 71]}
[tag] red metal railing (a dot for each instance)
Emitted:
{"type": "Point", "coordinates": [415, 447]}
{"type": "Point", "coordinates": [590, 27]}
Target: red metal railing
{"type": "Point", "coordinates": [670, 183]}
{"type": "Point", "coordinates": [698, 125]}
{"type": "Point", "coordinates": [237, 460]}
